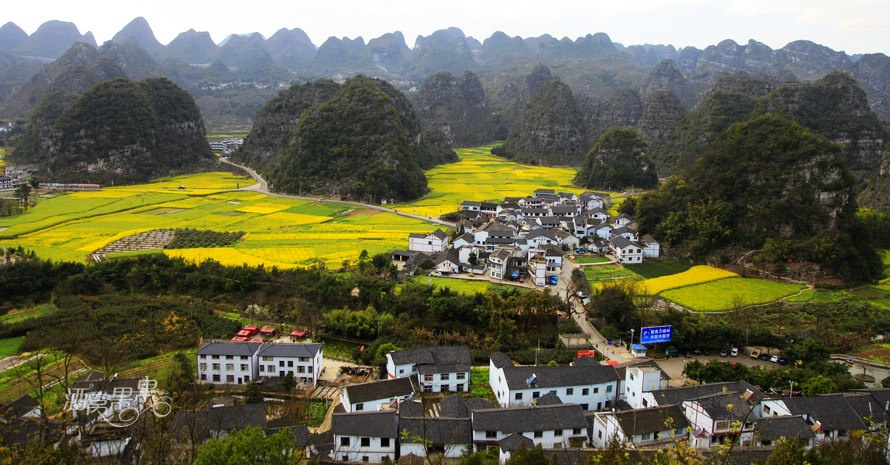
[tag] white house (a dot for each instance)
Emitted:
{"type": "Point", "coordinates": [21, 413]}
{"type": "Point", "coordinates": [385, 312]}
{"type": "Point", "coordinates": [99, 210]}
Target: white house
{"type": "Point", "coordinates": [303, 361]}
{"type": "Point", "coordinates": [593, 387]}
{"type": "Point", "coordinates": [625, 251]}
{"type": "Point", "coordinates": [379, 395]}
{"type": "Point", "coordinates": [551, 426]}
{"type": "Point", "coordinates": [719, 419]}
{"type": "Point", "coordinates": [232, 362]}
{"type": "Point", "coordinates": [651, 247]}
{"type": "Point", "coordinates": [497, 263]}
{"type": "Point", "coordinates": [642, 428]}
{"type": "Point", "coordinates": [228, 362]}
{"type": "Point", "coordinates": [638, 380]}
{"type": "Point", "coordinates": [365, 436]}
{"type": "Point", "coordinates": [436, 241]}
{"type": "Point", "coordinates": [438, 368]}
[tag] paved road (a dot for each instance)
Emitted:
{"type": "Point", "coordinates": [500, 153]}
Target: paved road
{"type": "Point", "coordinates": [263, 187]}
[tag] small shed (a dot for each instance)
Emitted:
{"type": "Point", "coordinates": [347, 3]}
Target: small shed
{"type": "Point", "coordinates": [294, 335]}
{"type": "Point", "coordinates": [638, 350]}
{"type": "Point", "coordinates": [267, 331]}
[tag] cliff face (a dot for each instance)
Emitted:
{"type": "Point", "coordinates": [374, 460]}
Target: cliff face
{"type": "Point", "coordinates": [618, 159]}
{"type": "Point", "coordinates": [659, 125]}
{"type": "Point", "coordinates": [455, 108]}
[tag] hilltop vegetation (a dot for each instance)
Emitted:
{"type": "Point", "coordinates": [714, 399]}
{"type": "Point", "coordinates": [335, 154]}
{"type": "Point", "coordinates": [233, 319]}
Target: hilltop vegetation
{"type": "Point", "coordinates": [358, 140]}
{"type": "Point", "coordinates": [118, 130]}
{"type": "Point", "coordinates": [767, 184]}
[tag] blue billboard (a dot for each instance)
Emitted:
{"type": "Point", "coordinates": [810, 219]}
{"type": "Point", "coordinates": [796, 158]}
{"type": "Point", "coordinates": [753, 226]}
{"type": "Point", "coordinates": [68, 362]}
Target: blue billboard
{"type": "Point", "coordinates": [655, 334]}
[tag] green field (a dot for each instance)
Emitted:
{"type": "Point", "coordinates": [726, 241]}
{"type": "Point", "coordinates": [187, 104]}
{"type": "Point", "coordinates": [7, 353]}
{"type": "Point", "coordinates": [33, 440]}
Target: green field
{"type": "Point", "coordinates": [729, 293]}
{"type": "Point", "coordinates": [22, 314]}
{"type": "Point", "coordinates": [10, 346]}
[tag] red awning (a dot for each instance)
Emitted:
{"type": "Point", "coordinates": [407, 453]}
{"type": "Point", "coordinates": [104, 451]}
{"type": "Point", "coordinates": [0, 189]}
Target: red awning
{"type": "Point", "coordinates": [612, 363]}
{"type": "Point", "coordinates": [298, 334]}
{"type": "Point", "coordinates": [250, 328]}
{"type": "Point", "coordinates": [239, 339]}
{"type": "Point", "coordinates": [244, 333]}
{"type": "Point", "coordinates": [267, 331]}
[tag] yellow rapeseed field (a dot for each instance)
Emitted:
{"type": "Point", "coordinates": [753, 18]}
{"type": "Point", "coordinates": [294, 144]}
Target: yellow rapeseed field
{"type": "Point", "coordinates": [695, 275]}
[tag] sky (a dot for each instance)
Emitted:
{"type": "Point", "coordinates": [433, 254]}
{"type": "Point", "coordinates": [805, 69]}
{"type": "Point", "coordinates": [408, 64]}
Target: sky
{"type": "Point", "coordinates": [852, 26]}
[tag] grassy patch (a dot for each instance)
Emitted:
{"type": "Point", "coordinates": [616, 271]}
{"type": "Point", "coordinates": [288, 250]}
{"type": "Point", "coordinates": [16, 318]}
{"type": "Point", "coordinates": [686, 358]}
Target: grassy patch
{"type": "Point", "coordinates": [10, 346]}
{"type": "Point", "coordinates": [22, 314]}
{"type": "Point", "coordinates": [339, 349]}
{"type": "Point", "coordinates": [819, 295]}
{"type": "Point", "coordinates": [479, 385]}
{"type": "Point", "coordinates": [463, 286]}
{"type": "Point", "coordinates": [729, 293]}
{"type": "Point", "coordinates": [605, 273]}
{"type": "Point", "coordinates": [651, 269]}
{"type": "Point", "coordinates": [591, 259]}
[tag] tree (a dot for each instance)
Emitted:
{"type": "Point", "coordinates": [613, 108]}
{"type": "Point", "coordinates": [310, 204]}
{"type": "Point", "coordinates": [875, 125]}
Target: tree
{"type": "Point", "coordinates": [252, 393]}
{"type": "Point", "coordinates": [250, 445]}
{"type": "Point", "coordinates": [288, 383]}
{"type": "Point", "coordinates": [818, 384]}
{"type": "Point", "coordinates": [23, 193]}
{"type": "Point", "coordinates": [788, 451]}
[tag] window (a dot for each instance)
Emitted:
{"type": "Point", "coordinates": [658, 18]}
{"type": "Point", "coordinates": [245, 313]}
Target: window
{"type": "Point", "coordinates": [203, 377]}
{"type": "Point", "coordinates": [585, 391]}
{"type": "Point", "coordinates": [645, 436]}
{"type": "Point", "coordinates": [536, 394]}
{"type": "Point", "coordinates": [539, 434]}
{"type": "Point", "coordinates": [229, 357]}
{"type": "Point", "coordinates": [366, 442]}
{"type": "Point", "coordinates": [243, 367]}
{"type": "Point", "coordinates": [281, 363]}
{"type": "Point", "coordinates": [344, 441]}
{"type": "Point", "coordinates": [444, 376]}
{"type": "Point", "coordinates": [270, 368]}
{"type": "Point", "coordinates": [384, 442]}
{"type": "Point", "coordinates": [557, 432]}
{"type": "Point", "coordinates": [345, 458]}
{"type": "Point", "coordinates": [460, 388]}
{"type": "Point", "coordinates": [230, 367]}
{"type": "Point", "coordinates": [599, 434]}
{"type": "Point", "coordinates": [630, 375]}
{"type": "Point", "coordinates": [262, 368]}
{"type": "Point", "coordinates": [596, 390]}
{"type": "Point", "coordinates": [608, 388]}
{"type": "Point", "coordinates": [230, 378]}
{"type": "Point", "coordinates": [428, 378]}
{"type": "Point", "coordinates": [401, 371]}
{"type": "Point", "coordinates": [204, 368]}
{"type": "Point", "coordinates": [461, 376]}
{"type": "Point", "coordinates": [301, 369]}
{"type": "Point", "coordinates": [267, 359]}
{"type": "Point", "coordinates": [215, 378]}
{"type": "Point", "coordinates": [365, 458]}
{"type": "Point", "coordinates": [570, 391]}
{"type": "Point", "coordinates": [576, 431]}
{"type": "Point", "coordinates": [290, 363]}
{"type": "Point", "coordinates": [216, 366]}
{"type": "Point", "coordinates": [359, 407]}
{"type": "Point", "coordinates": [491, 434]}
{"type": "Point", "coordinates": [518, 396]}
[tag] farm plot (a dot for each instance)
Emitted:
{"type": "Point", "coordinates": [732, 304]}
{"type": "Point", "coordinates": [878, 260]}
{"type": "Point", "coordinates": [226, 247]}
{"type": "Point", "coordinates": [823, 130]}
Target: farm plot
{"type": "Point", "coordinates": [479, 176]}
{"type": "Point", "coordinates": [729, 293]}
{"type": "Point", "coordinates": [695, 275]}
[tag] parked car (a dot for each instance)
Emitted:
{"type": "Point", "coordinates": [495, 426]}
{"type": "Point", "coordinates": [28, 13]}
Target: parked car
{"type": "Point", "coordinates": [774, 359]}
{"type": "Point", "coordinates": [734, 352]}
{"type": "Point", "coordinates": [723, 353]}
{"type": "Point", "coordinates": [782, 361]}
{"type": "Point", "coordinates": [764, 357]}
{"type": "Point", "coordinates": [552, 280]}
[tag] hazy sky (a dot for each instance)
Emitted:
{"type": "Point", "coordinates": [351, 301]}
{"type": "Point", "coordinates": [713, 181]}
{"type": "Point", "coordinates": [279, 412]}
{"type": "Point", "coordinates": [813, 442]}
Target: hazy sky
{"type": "Point", "coordinates": [853, 26]}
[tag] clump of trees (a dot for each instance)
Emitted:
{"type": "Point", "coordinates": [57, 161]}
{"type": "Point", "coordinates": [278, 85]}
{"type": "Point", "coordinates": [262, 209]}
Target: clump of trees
{"type": "Point", "coordinates": [186, 238]}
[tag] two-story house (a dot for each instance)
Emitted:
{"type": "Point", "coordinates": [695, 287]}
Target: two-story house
{"type": "Point", "coordinates": [638, 428]}
{"type": "Point", "coordinates": [379, 395]}
{"type": "Point", "coordinates": [593, 387]}
{"type": "Point", "coordinates": [227, 362]}
{"type": "Point", "coordinates": [365, 436]}
{"type": "Point", "coordinates": [438, 368]}
{"type": "Point", "coordinates": [551, 426]}
{"type": "Point", "coordinates": [436, 241]}
{"type": "Point", "coordinates": [720, 418]}
{"type": "Point", "coordinates": [303, 361]}
{"type": "Point", "coordinates": [625, 251]}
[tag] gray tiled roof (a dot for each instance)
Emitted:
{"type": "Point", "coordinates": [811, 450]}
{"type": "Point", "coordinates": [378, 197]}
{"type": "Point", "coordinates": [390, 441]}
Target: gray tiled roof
{"type": "Point", "coordinates": [773, 428]}
{"type": "Point", "coordinates": [548, 399]}
{"type": "Point", "coordinates": [229, 348]}
{"type": "Point", "coordinates": [832, 411]}
{"type": "Point", "coordinates": [370, 424]}
{"type": "Point", "coordinates": [725, 406]}
{"type": "Point", "coordinates": [501, 360]}
{"type": "Point", "coordinates": [676, 396]}
{"type": "Point", "coordinates": [651, 420]}
{"type": "Point", "coordinates": [512, 442]}
{"type": "Point", "coordinates": [386, 389]}
{"type": "Point", "coordinates": [478, 403]}
{"type": "Point", "coordinates": [553, 377]}
{"type": "Point", "coordinates": [411, 408]}
{"type": "Point", "coordinates": [453, 406]}
{"type": "Point", "coordinates": [434, 355]}
{"type": "Point", "coordinates": [284, 349]}
{"type": "Point", "coordinates": [439, 431]}
{"type": "Point", "coordinates": [519, 420]}
{"type": "Point", "coordinates": [202, 423]}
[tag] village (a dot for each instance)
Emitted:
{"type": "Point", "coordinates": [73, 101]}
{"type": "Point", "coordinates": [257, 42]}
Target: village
{"type": "Point", "coordinates": [528, 238]}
